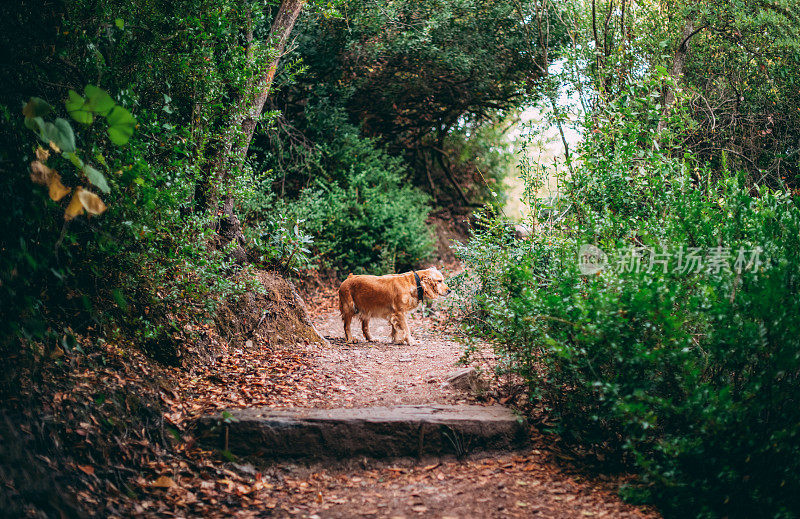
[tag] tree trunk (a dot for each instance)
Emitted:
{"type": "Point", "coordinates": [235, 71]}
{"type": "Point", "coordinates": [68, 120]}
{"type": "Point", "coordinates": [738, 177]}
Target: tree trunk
{"type": "Point", "coordinates": [678, 64]}
{"type": "Point", "coordinates": [230, 151]}
{"type": "Point", "coordinates": [278, 35]}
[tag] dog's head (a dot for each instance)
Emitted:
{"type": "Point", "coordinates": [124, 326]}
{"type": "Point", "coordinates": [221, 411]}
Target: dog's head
{"type": "Point", "coordinates": [433, 283]}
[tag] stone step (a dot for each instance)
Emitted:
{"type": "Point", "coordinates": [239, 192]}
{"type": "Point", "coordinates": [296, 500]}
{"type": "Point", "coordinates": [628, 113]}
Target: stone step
{"type": "Point", "coordinates": [376, 432]}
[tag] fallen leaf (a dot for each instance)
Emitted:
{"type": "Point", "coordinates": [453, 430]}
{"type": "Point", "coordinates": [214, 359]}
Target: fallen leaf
{"type": "Point", "coordinates": [87, 469]}
{"type": "Point", "coordinates": [91, 202]}
{"type": "Point", "coordinates": [75, 207]}
{"type": "Point", "coordinates": [164, 482]}
{"type": "Point", "coordinates": [56, 188]}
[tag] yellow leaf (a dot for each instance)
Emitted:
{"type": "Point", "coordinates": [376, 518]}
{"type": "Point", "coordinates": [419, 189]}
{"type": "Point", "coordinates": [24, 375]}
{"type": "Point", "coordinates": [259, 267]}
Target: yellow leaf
{"type": "Point", "coordinates": [55, 147]}
{"type": "Point", "coordinates": [42, 154]}
{"type": "Point", "coordinates": [75, 207]}
{"type": "Point", "coordinates": [91, 202]}
{"type": "Point", "coordinates": [40, 173]}
{"type": "Point", "coordinates": [164, 482]}
{"type": "Point", "coordinates": [57, 189]}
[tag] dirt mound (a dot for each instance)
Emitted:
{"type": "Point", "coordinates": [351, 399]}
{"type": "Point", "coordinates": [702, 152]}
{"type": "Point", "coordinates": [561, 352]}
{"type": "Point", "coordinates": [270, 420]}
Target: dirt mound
{"type": "Point", "coordinates": [274, 312]}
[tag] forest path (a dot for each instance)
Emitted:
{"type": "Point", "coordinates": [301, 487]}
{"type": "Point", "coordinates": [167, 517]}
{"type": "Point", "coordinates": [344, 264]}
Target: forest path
{"type": "Point", "coordinates": [525, 483]}
{"type": "Point", "coordinates": [536, 481]}
{"type": "Point", "coordinates": [382, 373]}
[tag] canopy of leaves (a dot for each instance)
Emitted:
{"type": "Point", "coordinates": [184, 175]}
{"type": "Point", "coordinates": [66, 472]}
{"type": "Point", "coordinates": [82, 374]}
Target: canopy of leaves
{"type": "Point", "coordinates": [737, 94]}
{"type": "Point", "coordinates": [412, 68]}
{"type": "Point", "coordinates": [420, 77]}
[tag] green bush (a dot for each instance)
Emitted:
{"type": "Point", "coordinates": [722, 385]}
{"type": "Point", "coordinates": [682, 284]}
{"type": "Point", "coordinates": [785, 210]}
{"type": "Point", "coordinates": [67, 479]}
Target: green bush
{"type": "Point", "coordinates": [140, 268]}
{"type": "Point", "coordinates": [361, 213]}
{"type": "Point", "coordinates": [276, 238]}
{"type": "Point", "coordinates": [692, 375]}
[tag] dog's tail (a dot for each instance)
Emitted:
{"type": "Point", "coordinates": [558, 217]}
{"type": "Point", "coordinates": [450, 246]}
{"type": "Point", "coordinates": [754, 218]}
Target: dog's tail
{"type": "Point", "coordinates": [346, 304]}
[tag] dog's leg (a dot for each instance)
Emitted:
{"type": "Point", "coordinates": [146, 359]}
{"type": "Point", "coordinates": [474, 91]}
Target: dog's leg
{"type": "Point", "coordinates": [347, 318]}
{"type": "Point", "coordinates": [406, 330]}
{"type": "Point", "coordinates": [348, 309]}
{"type": "Point", "coordinates": [365, 328]}
{"type": "Point", "coordinates": [395, 331]}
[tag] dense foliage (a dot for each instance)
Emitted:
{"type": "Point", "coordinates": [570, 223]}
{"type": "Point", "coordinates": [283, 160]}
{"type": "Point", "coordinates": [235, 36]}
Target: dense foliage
{"type": "Point", "coordinates": [426, 80]}
{"type": "Point", "coordinates": [692, 373]}
{"type": "Point", "coordinates": [366, 216]}
{"type": "Point", "coordinates": [728, 72]}
{"type": "Point", "coordinates": [682, 354]}
{"type": "Point", "coordinates": [358, 205]}
{"type": "Point", "coordinates": [145, 259]}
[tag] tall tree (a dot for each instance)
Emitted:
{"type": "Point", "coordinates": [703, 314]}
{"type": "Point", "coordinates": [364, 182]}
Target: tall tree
{"type": "Point", "coordinates": [731, 66]}
{"type": "Point", "coordinates": [229, 153]}
{"type": "Point", "coordinates": [254, 100]}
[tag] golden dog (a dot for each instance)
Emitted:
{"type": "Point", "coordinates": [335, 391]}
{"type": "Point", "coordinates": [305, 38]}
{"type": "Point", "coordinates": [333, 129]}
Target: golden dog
{"type": "Point", "coordinates": [388, 297]}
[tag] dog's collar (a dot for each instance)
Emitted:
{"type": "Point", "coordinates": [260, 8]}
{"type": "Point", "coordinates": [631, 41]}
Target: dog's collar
{"type": "Point", "coordinates": [420, 292]}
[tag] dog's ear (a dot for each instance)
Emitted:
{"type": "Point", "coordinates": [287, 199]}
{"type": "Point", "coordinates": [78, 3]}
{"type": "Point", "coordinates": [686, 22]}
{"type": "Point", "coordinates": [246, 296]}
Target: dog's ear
{"type": "Point", "coordinates": [429, 287]}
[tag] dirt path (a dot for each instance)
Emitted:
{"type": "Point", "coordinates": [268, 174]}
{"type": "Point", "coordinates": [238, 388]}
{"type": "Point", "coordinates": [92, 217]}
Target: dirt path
{"type": "Point", "coordinates": [537, 481]}
{"type": "Point", "coordinates": [528, 483]}
{"type": "Point", "coordinates": [382, 373]}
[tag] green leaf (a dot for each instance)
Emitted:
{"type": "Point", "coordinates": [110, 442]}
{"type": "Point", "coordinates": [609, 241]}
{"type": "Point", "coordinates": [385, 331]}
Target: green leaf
{"type": "Point", "coordinates": [35, 124]}
{"type": "Point", "coordinates": [59, 133]}
{"type": "Point", "coordinates": [96, 178]}
{"type": "Point", "coordinates": [120, 125]}
{"type": "Point", "coordinates": [36, 107]}
{"type": "Point", "coordinates": [76, 160]}
{"type": "Point", "coordinates": [49, 132]}
{"type": "Point", "coordinates": [66, 137]}
{"type": "Point", "coordinates": [99, 100]}
{"type": "Point", "coordinates": [120, 23]}
{"type": "Point", "coordinates": [77, 109]}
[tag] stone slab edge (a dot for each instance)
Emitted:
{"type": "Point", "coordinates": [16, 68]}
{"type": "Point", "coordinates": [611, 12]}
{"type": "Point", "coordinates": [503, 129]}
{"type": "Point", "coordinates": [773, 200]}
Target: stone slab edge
{"type": "Point", "coordinates": [375, 432]}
